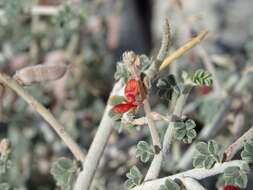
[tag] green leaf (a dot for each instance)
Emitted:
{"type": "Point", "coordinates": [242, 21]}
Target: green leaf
{"type": "Point", "coordinates": [190, 124]}
{"type": "Point", "coordinates": [235, 176]}
{"type": "Point", "coordinates": [209, 162]}
{"type": "Point", "coordinates": [207, 154]}
{"type": "Point", "coordinates": [167, 87]}
{"type": "Point", "coordinates": [191, 133]}
{"type": "Point", "coordinates": [169, 185]}
{"type": "Point", "coordinates": [184, 131]}
{"type": "Point", "coordinates": [202, 77]}
{"type": "Point", "coordinates": [63, 171]}
{"type": "Point", "coordinates": [201, 147]}
{"type": "Point", "coordinates": [144, 151]}
{"type": "Point", "coordinates": [134, 178]}
{"type": "Point", "coordinates": [180, 134]}
{"type": "Point", "coordinates": [247, 153]}
{"type": "Point", "coordinates": [198, 161]}
{"type": "Point", "coordinates": [213, 147]}
{"type": "Point", "coordinates": [115, 100]}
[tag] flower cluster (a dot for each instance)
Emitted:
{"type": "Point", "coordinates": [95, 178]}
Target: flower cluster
{"type": "Point", "coordinates": [132, 100]}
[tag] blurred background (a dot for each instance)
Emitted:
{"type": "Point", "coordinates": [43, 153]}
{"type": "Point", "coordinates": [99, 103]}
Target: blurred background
{"type": "Point", "coordinates": [90, 37]}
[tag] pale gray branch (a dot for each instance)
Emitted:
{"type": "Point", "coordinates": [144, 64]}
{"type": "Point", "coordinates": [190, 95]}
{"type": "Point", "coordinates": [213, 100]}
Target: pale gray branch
{"type": "Point", "coordinates": [197, 173]}
{"type": "Point", "coordinates": [97, 147]}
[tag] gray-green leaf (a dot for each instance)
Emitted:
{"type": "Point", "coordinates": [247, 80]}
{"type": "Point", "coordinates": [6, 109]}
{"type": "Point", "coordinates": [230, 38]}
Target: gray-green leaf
{"type": "Point", "coordinates": [135, 178]}
{"type": "Point", "coordinates": [144, 151]}
{"type": "Point", "coordinates": [169, 185]}
{"type": "Point", "coordinates": [63, 171]}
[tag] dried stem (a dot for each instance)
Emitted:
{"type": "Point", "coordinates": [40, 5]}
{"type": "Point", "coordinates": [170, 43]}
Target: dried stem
{"type": "Point", "coordinates": [182, 50]}
{"type": "Point", "coordinates": [45, 113]}
{"type": "Point", "coordinates": [151, 124]}
{"type": "Point", "coordinates": [197, 173]}
{"type": "Point", "coordinates": [155, 166]}
{"type": "Point", "coordinates": [143, 120]}
{"type": "Point", "coordinates": [238, 144]}
{"type": "Point", "coordinates": [97, 147]}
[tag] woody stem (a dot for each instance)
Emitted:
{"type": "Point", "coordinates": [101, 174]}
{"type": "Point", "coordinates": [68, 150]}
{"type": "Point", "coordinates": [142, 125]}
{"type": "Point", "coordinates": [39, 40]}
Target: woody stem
{"type": "Point", "coordinates": [151, 124]}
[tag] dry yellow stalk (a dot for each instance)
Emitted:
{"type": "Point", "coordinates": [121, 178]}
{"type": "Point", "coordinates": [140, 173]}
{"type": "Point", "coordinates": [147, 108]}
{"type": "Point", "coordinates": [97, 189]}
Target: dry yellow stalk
{"type": "Point", "coordinates": [179, 52]}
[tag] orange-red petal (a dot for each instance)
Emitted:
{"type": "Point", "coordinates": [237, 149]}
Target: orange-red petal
{"type": "Point", "coordinates": [131, 90]}
{"type": "Point", "coordinates": [123, 108]}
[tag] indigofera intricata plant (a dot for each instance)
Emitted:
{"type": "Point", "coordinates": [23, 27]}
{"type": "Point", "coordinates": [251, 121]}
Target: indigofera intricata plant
{"type": "Point", "coordinates": [138, 78]}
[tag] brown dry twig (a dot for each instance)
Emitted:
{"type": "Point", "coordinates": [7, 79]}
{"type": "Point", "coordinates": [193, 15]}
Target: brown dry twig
{"type": "Point", "coordinates": [45, 113]}
{"type": "Point", "coordinates": [238, 144]}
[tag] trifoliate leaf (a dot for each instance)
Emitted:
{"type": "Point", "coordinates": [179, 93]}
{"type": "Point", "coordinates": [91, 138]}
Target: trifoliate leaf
{"type": "Point", "coordinates": [144, 151]}
{"type": "Point", "coordinates": [167, 87]}
{"type": "Point", "coordinates": [207, 154]}
{"type": "Point", "coordinates": [134, 178]}
{"type": "Point", "coordinates": [63, 171]}
{"type": "Point", "coordinates": [169, 185]}
{"type": "Point", "coordinates": [247, 153]}
{"type": "Point", "coordinates": [184, 131]}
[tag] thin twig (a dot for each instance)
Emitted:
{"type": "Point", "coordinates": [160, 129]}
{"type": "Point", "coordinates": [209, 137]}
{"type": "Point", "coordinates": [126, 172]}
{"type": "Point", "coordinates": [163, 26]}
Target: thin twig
{"type": "Point", "coordinates": [182, 50]}
{"type": "Point", "coordinates": [45, 113]}
{"type": "Point", "coordinates": [143, 120]}
{"type": "Point", "coordinates": [151, 124]}
{"type": "Point", "coordinates": [97, 147]}
{"type": "Point", "coordinates": [155, 166]}
{"type": "Point", "coordinates": [238, 144]}
{"type": "Point", "coordinates": [197, 173]}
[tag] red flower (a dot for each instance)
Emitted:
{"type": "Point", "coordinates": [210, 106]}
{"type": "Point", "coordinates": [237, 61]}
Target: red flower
{"type": "Point", "coordinates": [124, 107]}
{"type": "Point", "coordinates": [131, 91]}
{"type": "Point", "coordinates": [231, 187]}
